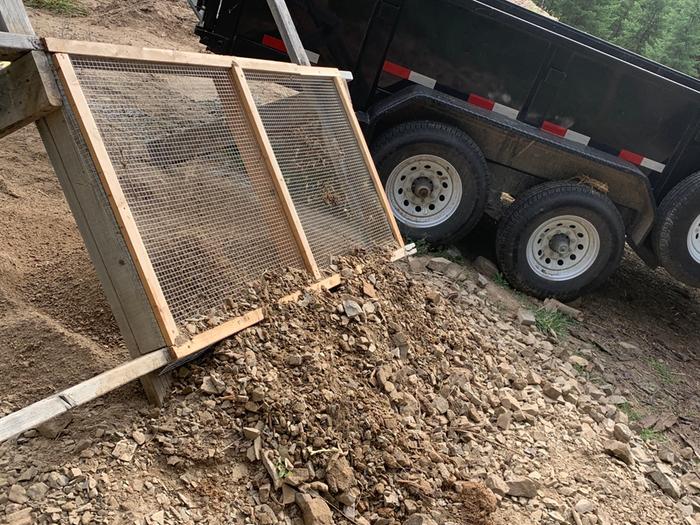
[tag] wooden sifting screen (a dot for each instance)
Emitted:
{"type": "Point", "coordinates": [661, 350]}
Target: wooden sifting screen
{"type": "Point", "coordinates": [219, 171]}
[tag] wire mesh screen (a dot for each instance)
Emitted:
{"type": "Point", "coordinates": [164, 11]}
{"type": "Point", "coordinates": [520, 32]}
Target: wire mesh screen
{"type": "Point", "coordinates": [322, 163]}
{"type": "Point", "coordinates": [193, 176]}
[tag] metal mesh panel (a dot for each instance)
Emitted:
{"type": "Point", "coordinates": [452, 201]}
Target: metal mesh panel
{"type": "Point", "coordinates": [322, 163]}
{"type": "Point", "coordinates": [193, 176]}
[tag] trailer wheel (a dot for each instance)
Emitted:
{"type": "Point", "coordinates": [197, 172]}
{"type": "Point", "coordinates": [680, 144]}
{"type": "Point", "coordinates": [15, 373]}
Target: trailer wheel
{"type": "Point", "coordinates": [560, 240]}
{"type": "Point", "coordinates": [676, 238]}
{"type": "Point", "coordinates": [436, 179]}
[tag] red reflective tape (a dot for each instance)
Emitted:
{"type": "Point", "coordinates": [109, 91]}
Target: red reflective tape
{"type": "Point", "coordinates": [481, 102]}
{"type": "Point", "coordinates": [632, 157]}
{"type": "Point", "coordinates": [554, 129]}
{"type": "Point", "coordinates": [274, 43]}
{"type": "Point", "coordinates": [397, 70]}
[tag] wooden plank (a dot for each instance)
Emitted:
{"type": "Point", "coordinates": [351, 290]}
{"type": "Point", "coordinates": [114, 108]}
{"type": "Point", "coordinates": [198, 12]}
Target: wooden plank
{"type": "Point", "coordinates": [218, 333]}
{"type": "Point", "coordinates": [288, 32]}
{"type": "Point", "coordinates": [403, 252]}
{"type": "Point", "coordinates": [46, 409]}
{"type": "Point", "coordinates": [14, 46]}
{"type": "Point", "coordinates": [105, 244]}
{"type": "Point", "coordinates": [14, 19]}
{"type": "Point", "coordinates": [96, 49]}
{"type": "Point", "coordinates": [326, 284]}
{"type": "Point", "coordinates": [344, 94]}
{"type": "Point", "coordinates": [251, 110]}
{"type": "Point", "coordinates": [117, 200]}
{"type": "Point", "coordinates": [29, 92]}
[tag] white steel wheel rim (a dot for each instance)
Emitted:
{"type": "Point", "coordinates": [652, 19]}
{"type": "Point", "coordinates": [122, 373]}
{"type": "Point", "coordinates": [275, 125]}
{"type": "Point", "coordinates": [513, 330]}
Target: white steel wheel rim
{"type": "Point", "coordinates": [424, 191]}
{"type": "Point", "coordinates": [563, 248]}
{"type": "Point", "coordinates": [694, 239]}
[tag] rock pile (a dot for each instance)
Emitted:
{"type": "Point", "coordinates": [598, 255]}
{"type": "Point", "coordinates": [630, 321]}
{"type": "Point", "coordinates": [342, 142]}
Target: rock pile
{"type": "Point", "coordinates": [403, 397]}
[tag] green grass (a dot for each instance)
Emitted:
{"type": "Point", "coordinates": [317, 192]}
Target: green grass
{"type": "Point", "coordinates": [501, 281]}
{"type": "Point", "coordinates": [662, 371]}
{"type": "Point", "coordinates": [649, 434]}
{"type": "Point", "coordinates": [630, 412]}
{"type": "Point", "coordinates": [61, 7]}
{"type": "Point", "coordinates": [552, 322]}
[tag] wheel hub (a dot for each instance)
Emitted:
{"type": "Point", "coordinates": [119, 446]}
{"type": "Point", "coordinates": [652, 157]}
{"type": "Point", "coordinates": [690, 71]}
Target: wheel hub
{"type": "Point", "coordinates": [560, 243]}
{"type": "Point", "coordinates": [424, 191]}
{"type": "Point", "coordinates": [694, 239]}
{"type": "Point", "coordinates": [422, 187]}
{"type": "Point", "coordinates": [563, 248]}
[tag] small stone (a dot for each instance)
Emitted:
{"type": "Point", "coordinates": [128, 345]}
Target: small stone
{"type": "Point", "coordinates": [211, 384]}
{"type": "Point", "coordinates": [251, 433]}
{"type": "Point", "coordinates": [420, 519]}
{"type": "Point", "coordinates": [369, 290]}
{"type": "Point", "coordinates": [622, 433]}
{"type": "Point", "coordinates": [667, 456]}
{"type": "Point", "coordinates": [584, 506]}
{"type": "Point", "coordinates": [620, 451]}
{"type": "Point", "coordinates": [433, 296]}
{"type": "Point", "coordinates": [522, 487]}
{"type": "Point", "coordinates": [124, 450]}
{"type": "Point", "coordinates": [315, 510]}
{"type": "Point", "coordinates": [497, 485]}
{"type": "Point", "coordinates": [504, 420]}
{"type": "Point", "coordinates": [441, 405]}
{"type": "Point", "coordinates": [485, 267]}
{"type": "Point", "coordinates": [438, 264]}
{"type": "Point", "coordinates": [666, 483]}
{"type": "Point", "coordinates": [551, 391]}
{"type": "Point", "coordinates": [52, 429]}
{"type": "Point", "coordinates": [526, 317]}
{"type": "Point", "coordinates": [37, 492]}
{"type": "Point", "coordinates": [158, 518]}
{"type": "Point", "coordinates": [20, 517]}
{"type": "Point", "coordinates": [56, 480]}
{"type": "Point", "coordinates": [139, 437]}
{"type": "Point", "coordinates": [339, 475]}
{"type": "Point", "coordinates": [17, 494]}
{"type": "Point", "coordinates": [482, 281]}
{"type": "Point", "coordinates": [351, 308]}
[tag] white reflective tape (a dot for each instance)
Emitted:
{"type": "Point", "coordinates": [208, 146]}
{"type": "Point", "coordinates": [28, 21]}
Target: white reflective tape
{"type": "Point", "coordinates": [653, 165]}
{"type": "Point", "coordinates": [313, 57]}
{"type": "Point", "coordinates": [505, 110]}
{"type": "Point", "coordinates": [422, 80]}
{"type": "Point", "coordinates": [577, 137]}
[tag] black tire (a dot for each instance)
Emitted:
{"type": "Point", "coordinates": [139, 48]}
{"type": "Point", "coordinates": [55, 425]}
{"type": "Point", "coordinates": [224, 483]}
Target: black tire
{"type": "Point", "coordinates": [531, 211]}
{"type": "Point", "coordinates": [411, 139]}
{"type": "Point", "coordinates": [679, 211]}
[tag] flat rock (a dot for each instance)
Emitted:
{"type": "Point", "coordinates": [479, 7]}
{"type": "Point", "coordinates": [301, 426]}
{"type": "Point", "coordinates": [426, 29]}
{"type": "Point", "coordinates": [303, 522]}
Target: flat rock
{"type": "Point", "coordinates": [622, 433]}
{"type": "Point", "coordinates": [522, 487]}
{"type": "Point", "coordinates": [17, 494]}
{"type": "Point", "coordinates": [52, 429]}
{"type": "Point", "coordinates": [20, 517]}
{"type": "Point", "coordinates": [619, 450]}
{"type": "Point", "coordinates": [438, 264]}
{"type": "Point", "coordinates": [497, 485]}
{"type": "Point", "coordinates": [351, 308]}
{"type": "Point", "coordinates": [37, 492]}
{"type": "Point", "coordinates": [419, 519]}
{"type": "Point", "coordinates": [526, 317]}
{"type": "Point", "coordinates": [670, 486]}
{"type": "Point", "coordinates": [211, 384]}
{"type": "Point", "coordinates": [485, 267]}
{"type": "Point", "coordinates": [339, 475]}
{"type": "Point", "coordinates": [314, 510]}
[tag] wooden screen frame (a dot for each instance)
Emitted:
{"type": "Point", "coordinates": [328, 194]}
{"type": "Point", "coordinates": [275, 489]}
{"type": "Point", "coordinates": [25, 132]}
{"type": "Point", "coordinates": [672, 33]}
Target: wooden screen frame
{"type": "Point", "coordinates": [63, 49]}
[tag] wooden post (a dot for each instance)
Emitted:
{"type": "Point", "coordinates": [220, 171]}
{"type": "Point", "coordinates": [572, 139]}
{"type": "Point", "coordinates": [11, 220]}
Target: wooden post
{"type": "Point", "coordinates": [288, 32]}
{"type": "Point", "coordinates": [344, 95]}
{"type": "Point", "coordinates": [241, 84]}
{"type": "Point", "coordinates": [98, 227]}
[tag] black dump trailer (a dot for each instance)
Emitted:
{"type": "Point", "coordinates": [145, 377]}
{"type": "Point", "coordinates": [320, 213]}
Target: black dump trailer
{"type": "Point", "coordinates": [476, 107]}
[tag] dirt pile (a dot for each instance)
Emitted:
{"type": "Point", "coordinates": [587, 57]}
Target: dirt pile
{"type": "Point", "coordinates": [404, 396]}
